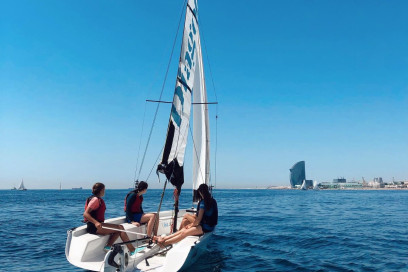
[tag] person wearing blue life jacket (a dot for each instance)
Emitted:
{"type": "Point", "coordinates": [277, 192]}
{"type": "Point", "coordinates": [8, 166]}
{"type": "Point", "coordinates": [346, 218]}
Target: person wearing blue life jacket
{"type": "Point", "coordinates": [134, 210]}
{"type": "Point", "coordinates": [205, 219]}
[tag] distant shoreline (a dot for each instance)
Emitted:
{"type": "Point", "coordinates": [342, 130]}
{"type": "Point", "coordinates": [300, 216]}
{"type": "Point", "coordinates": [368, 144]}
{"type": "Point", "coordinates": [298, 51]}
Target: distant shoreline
{"type": "Point", "coordinates": [258, 188]}
{"type": "Point", "coordinates": [340, 189]}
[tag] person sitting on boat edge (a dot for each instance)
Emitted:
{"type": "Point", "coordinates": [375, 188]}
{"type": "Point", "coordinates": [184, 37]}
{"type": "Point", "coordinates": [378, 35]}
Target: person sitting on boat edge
{"type": "Point", "coordinates": [134, 210]}
{"type": "Point", "coordinates": [94, 217]}
{"type": "Point", "coordinates": [205, 219]}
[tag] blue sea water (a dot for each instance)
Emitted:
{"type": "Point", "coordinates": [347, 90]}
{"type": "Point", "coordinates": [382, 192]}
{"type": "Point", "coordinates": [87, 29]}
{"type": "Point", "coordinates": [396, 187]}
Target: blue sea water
{"type": "Point", "coordinates": [259, 230]}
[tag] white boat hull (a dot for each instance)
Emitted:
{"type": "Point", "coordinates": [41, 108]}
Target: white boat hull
{"type": "Point", "coordinates": [85, 250]}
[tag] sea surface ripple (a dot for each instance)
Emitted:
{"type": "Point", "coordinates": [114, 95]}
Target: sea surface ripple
{"type": "Point", "coordinates": [259, 230]}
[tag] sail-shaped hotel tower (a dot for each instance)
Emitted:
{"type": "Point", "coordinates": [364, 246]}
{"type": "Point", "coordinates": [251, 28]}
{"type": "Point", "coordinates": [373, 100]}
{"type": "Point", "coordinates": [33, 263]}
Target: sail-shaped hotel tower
{"type": "Point", "coordinates": [297, 174]}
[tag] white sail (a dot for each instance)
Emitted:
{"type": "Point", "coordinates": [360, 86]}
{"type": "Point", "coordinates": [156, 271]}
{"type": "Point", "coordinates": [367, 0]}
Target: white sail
{"type": "Point", "coordinates": [303, 187]}
{"type": "Point", "coordinates": [177, 131]}
{"type": "Point", "coordinates": [201, 130]}
{"type": "Point", "coordinates": [21, 187]}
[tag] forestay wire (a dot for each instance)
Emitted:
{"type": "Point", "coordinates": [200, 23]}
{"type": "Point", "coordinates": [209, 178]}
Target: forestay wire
{"type": "Point", "coordinates": [161, 93]}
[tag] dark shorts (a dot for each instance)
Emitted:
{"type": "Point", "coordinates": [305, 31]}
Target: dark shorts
{"type": "Point", "coordinates": [206, 228]}
{"type": "Point", "coordinates": [91, 228]}
{"type": "Point", "coordinates": [137, 217]}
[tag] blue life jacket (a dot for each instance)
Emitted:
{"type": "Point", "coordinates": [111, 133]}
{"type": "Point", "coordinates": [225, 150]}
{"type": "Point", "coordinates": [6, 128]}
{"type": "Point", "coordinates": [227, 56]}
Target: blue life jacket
{"type": "Point", "coordinates": [210, 216]}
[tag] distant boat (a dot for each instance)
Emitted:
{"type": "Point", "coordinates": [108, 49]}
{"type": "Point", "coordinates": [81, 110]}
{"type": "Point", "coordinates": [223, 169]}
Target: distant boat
{"type": "Point", "coordinates": [14, 188]}
{"type": "Point", "coordinates": [303, 187]}
{"type": "Point", "coordinates": [79, 188]}
{"type": "Point", "coordinates": [60, 186]}
{"type": "Point", "coordinates": [315, 186]}
{"type": "Point", "coordinates": [21, 187]}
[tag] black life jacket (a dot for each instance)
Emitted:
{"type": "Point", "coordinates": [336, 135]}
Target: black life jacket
{"type": "Point", "coordinates": [212, 219]}
{"type": "Point", "coordinates": [99, 213]}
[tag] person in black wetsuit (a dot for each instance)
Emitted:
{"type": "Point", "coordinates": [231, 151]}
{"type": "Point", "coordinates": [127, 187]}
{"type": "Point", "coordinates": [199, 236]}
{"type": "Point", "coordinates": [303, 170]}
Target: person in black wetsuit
{"type": "Point", "coordinates": [203, 221]}
{"type": "Point", "coordinates": [134, 210]}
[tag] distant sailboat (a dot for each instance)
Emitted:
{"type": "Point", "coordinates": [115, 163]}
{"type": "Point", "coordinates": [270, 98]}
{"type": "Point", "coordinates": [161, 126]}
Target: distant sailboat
{"type": "Point", "coordinates": [21, 187]}
{"type": "Point", "coordinates": [303, 187]}
{"type": "Point", "coordinates": [315, 186]}
{"type": "Point", "coordinates": [14, 188]}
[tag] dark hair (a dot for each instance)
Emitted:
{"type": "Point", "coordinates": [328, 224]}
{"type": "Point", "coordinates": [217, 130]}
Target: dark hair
{"type": "Point", "coordinates": [141, 186]}
{"type": "Point", "coordinates": [97, 188]}
{"type": "Point", "coordinates": [205, 194]}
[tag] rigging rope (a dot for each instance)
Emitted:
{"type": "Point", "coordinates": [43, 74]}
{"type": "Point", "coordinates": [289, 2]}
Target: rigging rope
{"type": "Point", "coordinates": [140, 142]}
{"type": "Point", "coordinates": [161, 93]}
{"type": "Point", "coordinates": [154, 165]}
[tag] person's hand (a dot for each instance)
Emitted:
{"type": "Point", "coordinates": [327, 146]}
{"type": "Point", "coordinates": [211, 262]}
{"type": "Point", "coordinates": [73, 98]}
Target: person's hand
{"type": "Point", "coordinates": [189, 226]}
{"type": "Point", "coordinates": [98, 225]}
{"type": "Point", "coordinates": [137, 224]}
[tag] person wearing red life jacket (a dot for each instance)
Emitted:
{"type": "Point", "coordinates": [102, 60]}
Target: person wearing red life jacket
{"type": "Point", "coordinates": [94, 216]}
{"type": "Point", "coordinates": [134, 210]}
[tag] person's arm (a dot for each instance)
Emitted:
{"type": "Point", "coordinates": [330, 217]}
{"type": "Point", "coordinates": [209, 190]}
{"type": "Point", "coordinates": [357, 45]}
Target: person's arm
{"type": "Point", "coordinates": [197, 221]}
{"type": "Point", "coordinates": [89, 209]}
{"type": "Point", "coordinates": [129, 215]}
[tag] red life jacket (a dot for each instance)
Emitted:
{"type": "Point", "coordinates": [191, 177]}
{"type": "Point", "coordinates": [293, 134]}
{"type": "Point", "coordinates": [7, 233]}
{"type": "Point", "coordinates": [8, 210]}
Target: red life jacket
{"type": "Point", "coordinates": [136, 205]}
{"type": "Point", "coordinates": [99, 213]}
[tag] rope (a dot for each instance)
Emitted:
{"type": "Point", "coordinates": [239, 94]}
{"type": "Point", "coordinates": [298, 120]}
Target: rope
{"type": "Point", "coordinates": [161, 200]}
{"type": "Point", "coordinates": [140, 142]}
{"type": "Point", "coordinates": [154, 165]}
{"type": "Point", "coordinates": [161, 93]}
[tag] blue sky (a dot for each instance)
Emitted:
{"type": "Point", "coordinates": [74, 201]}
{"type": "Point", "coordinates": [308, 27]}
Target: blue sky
{"type": "Point", "coordinates": [320, 81]}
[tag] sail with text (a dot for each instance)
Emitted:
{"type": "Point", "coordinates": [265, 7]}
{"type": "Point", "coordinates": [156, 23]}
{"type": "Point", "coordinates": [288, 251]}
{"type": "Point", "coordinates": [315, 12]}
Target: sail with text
{"type": "Point", "coordinates": [187, 83]}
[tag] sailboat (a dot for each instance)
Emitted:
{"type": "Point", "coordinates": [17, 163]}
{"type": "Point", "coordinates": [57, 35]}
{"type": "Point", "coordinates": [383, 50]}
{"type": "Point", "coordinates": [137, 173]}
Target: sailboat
{"type": "Point", "coordinates": [85, 250]}
{"type": "Point", "coordinates": [303, 187]}
{"type": "Point", "coordinates": [315, 186]}
{"type": "Point", "coordinates": [21, 187]}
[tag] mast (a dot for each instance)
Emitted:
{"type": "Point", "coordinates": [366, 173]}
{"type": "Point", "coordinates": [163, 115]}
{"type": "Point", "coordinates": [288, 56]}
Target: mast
{"type": "Point", "coordinates": [176, 140]}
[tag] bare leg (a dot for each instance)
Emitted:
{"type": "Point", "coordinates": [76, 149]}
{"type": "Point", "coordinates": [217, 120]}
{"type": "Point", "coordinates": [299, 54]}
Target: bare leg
{"type": "Point", "coordinates": [183, 234]}
{"type": "Point", "coordinates": [187, 219]}
{"type": "Point", "coordinates": [115, 235]}
{"type": "Point", "coordinates": [150, 219]}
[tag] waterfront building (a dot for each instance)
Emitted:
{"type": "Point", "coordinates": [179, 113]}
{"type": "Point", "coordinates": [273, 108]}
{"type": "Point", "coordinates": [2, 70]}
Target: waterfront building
{"type": "Point", "coordinates": [341, 185]}
{"type": "Point", "coordinates": [339, 180]}
{"type": "Point", "coordinates": [297, 174]}
{"type": "Point", "coordinates": [309, 184]}
{"type": "Point", "coordinates": [377, 183]}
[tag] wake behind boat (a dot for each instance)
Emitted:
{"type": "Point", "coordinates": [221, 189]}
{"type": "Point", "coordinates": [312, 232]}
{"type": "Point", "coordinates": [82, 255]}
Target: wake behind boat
{"type": "Point", "coordinates": [86, 250]}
